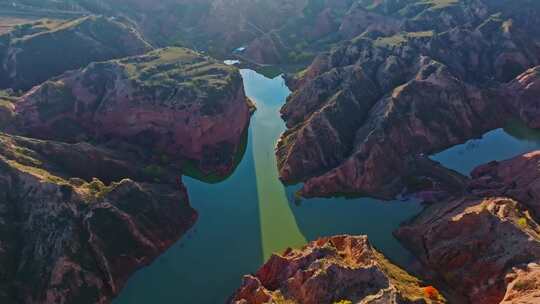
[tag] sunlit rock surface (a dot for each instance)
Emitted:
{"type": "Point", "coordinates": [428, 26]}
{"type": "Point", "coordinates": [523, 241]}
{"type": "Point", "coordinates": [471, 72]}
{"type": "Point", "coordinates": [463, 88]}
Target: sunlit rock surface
{"type": "Point", "coordinates": [174, 103]}
{"type": "Point", "coordinates": [330, 270]}
{"type": "Point", "coordinates": [67, 240]}
{"type": "Point", "coordinates": [360, 112]}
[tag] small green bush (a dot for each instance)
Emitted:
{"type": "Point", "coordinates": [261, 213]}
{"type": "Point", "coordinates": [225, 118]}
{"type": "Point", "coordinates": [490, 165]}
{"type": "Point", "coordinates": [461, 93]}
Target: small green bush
{"type": "Point", "coordinates": [522, 223]}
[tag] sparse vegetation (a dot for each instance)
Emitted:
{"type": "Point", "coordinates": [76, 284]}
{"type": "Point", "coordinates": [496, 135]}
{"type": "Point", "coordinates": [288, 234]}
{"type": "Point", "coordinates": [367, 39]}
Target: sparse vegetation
{"type": "Point", "coordinates": [181, 74]}
{"type": "Point", "coordinates": [37, 172]}
{"type": "Point", "coordinates": [409, 285]}
{"type": "Point", "coordinates": [525, 284]}
{"type": "Point", "coordinates": [48, 48]}
{"type": "Point", "coordinates": [522, 222]}
{"type": "Point", "coordinates": [401, 38]}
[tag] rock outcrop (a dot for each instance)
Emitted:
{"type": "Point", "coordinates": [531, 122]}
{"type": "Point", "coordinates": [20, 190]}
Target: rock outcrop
{"type": "Point", "coordinates": [172, 103]}
{"type": "Point", "coordinates": [485, 244]}
{"type": "Point", "coordinates": [518, 178]}
{"type": "Point", "coordinates": [216, 26]}
{"type": "Point", "coordinates": [284, 31]}
{"type": "Point", "coordinates": [474, 243]}
{"type": "Point", "coordinates": [32, 53]}
{"type": "Point", "coordinates": [90, 166]}
{"type": "Point", "coordinates": [360, 113]}
{"type": "Point", "coordinates": [524, 286]}
{"type": "Point", "coordinates": [323, 24]}
{"type": "Point", "coordinates": [340, 269]}
{"type": "Point", "coordinates": [525, 90]}
{"type": "Point", "coordinates": [67, 240]}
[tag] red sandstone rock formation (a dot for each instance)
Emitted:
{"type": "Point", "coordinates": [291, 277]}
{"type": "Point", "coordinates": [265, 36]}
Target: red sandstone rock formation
{"type": "Point", "coordinates": [340, 268]}
{"type": "Point", "coordinates": [518, 178]}
{"type": "Point", "coordinates": [361, 112]}
{"type": "Point", "coordinates": [33, 53]}
{"type": "Point", "coordinates": [480, 247]}
{"type": "Point", "coordinates": [524, 286]}
{"type": "Point", "coordinates": [172, 102]}
{"type": "Point", "coordinates": [65, 240]}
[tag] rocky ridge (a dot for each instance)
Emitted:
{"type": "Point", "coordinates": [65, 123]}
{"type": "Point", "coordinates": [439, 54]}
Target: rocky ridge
{"type": "Point", "coordinates": [518, 178]}
{"type": "Point", "coordinates": [34, 52]}
{"type": "Point", "coordinates": [215, 26]}
{"type": "Point", "coordinates": [173, 103]}
{"type": "Point", "coordinates": [67, 240]}
{"type": "Point", "coordinates": [339, 269]}
{"type": "Point", "coordinates": [361, 113]}
{"type": "Point", "coordinates": [322, 25]}
{"type": "Point", "coordinates": [91, 164]}
{"type": "Point", "coordinates": [485, 244]}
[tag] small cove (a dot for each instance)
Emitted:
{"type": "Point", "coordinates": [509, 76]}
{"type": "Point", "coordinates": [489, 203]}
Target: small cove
{"type": "Point", "coordinates": [500, 144]}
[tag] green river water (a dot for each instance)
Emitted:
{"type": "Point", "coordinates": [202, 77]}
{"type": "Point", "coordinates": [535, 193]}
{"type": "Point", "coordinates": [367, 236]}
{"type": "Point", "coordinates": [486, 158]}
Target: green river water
{"type": "Point", "coordinates": [250, 215]}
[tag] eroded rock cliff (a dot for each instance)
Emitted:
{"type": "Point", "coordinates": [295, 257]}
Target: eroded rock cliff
{"type": "Point", "coordinates": [474, 243]}
{"type": "Point", "coordinates": [32, 53]}
{"type": "Point", "coordinates": [360, 113]}
{"type": "Point", "coordinates": [91, 188]}
{"type": "Point", "coordinates": [340, 269]}
{"type": "Point", "coordinates": [67, 240]}
{"type": "Point", "coordinates": [172, 103]}
{"type": "Point", "coordinates": [485, 244]}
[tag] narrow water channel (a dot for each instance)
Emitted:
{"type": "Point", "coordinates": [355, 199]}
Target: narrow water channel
{"type": "Point", "coordinates": [250, 215]}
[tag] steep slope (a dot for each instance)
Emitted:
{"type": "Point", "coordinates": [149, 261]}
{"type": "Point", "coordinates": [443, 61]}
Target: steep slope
{"type": "Point", "coordinates": [35, 52]}
{"type": "Point", "coordinates": [322, 25]}
{"type": "Point", "coordinates": [67, 240]}
{"type": "Point", "coordinates": [524, 285]}
{"type": "Point", "coordinates": [100, 194]}
{"type": "Point", "coordinates": [215, 26]}
{"type": "Point", "coordinates": [518, 178]}
{"type": "Point", "coordinates": [485, 244]}
{"type": "Point", "coordinates": [172, 103]}
{"type": "Point", "coordinates": [339, 269]}
{"type": "Point", "coordinates": [482, 245]}
{"type": "Point", "coordinates": [286, 31]}
{"type": "Point", "coordinates": [359, 114]}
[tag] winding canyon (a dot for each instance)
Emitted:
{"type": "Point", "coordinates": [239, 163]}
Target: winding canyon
{"type": "Point", "coordinates": [146, 158]}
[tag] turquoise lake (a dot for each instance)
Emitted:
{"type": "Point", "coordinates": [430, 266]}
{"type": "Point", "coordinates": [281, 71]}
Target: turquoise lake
{"type": "Point", "coordinates": [250, 215]}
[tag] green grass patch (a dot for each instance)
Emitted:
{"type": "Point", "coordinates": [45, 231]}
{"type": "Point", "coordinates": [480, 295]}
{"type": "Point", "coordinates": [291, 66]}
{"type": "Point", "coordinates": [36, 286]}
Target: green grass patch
{"type": "Point", "coordinates": [179, 74]}
{"type": "Point", "coordinates": [37, 172]}
{"type": "Point", "coordinates": [401, 38]}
